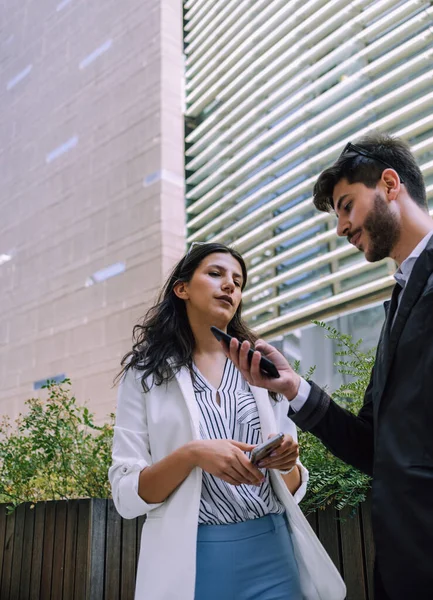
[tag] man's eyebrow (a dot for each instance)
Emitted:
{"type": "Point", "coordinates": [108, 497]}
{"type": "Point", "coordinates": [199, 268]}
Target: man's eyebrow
{"type": "Point", "coordinates": [215, 266]}
{"type": "Point", "coordinates": [340, 200]}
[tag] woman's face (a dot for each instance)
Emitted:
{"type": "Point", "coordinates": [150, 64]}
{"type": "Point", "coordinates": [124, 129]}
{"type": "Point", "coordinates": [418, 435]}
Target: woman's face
{"type": "Point", "coordinates": [215, 291]}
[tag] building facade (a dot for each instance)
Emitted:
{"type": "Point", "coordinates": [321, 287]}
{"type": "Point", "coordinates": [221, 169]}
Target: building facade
{"type": "Point", "coordinates": [100, 104]}
{"type": "Point", "coordinates": [92, 194]}
{"type": "Point", "coordinates": [275, 89]}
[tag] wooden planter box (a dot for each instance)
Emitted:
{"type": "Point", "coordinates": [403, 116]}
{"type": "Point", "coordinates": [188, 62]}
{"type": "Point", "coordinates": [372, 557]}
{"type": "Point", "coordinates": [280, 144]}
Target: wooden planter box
{"type": "Point", "coordinates": [83, 550]}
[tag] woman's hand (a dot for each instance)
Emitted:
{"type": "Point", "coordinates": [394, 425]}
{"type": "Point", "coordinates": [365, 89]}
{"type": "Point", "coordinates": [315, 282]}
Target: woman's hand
{"type": "Point", "coordinates": [226, 459]}
{"type": "Point", "coordinates": [284, 457]}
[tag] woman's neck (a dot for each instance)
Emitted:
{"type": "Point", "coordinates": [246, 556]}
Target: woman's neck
{"type": "Point", "coordinates": [208, 356]}
{"type": "Point", "coordinates": [205, 342]}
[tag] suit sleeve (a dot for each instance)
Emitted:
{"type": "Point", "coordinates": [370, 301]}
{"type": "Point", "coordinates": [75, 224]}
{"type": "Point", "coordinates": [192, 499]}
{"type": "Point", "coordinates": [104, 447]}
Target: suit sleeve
{"type": "Point", "coordinates": [348, 436]}
{"type": "Point", "coordinates": [131, 451]}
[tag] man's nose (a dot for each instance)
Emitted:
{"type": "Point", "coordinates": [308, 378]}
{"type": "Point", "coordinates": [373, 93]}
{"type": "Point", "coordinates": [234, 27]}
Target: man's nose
{"type": "Point", "coordinates": [343, 227]}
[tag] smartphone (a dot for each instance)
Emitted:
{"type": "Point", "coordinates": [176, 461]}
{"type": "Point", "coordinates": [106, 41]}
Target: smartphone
{"type": "Point", "coordinates": [263, 450]}
{"type": "Point", "coordinates": [266, 365]}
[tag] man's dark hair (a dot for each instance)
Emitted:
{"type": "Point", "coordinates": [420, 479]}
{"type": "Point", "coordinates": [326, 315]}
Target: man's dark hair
{"type": "Point", "coordinates": [359, 168]}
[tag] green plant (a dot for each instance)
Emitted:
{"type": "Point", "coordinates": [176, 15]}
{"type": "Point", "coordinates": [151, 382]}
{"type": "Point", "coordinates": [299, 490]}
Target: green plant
{"type": "Point", "coordinates": [54, 451]}
{"type": "Point", "coordinates": [331, 480]}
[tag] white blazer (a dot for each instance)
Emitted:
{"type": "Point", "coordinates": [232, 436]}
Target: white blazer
{"type": "Point", "coordinates": [149, 426]}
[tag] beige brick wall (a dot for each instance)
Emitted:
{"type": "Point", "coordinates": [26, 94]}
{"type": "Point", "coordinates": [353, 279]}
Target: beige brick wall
{"type": "Point", "coordinates": [103, 81]}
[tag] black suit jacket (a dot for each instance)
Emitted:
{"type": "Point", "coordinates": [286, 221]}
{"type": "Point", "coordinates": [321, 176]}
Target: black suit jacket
{"type": "Point", "coordinates": [392, 438]}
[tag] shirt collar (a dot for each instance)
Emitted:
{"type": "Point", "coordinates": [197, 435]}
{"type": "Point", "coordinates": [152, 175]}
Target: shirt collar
{"type": "Point", "coordinates": [404, 271]}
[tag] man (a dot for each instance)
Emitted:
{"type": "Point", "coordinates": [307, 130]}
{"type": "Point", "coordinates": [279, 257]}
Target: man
{"type": "Point", "coordinates": [378, 195]}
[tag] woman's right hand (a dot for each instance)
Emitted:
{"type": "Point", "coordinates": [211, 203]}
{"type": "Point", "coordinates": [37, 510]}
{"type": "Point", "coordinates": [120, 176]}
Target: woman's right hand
{"type": "Point", "coordinates": [226, 459]}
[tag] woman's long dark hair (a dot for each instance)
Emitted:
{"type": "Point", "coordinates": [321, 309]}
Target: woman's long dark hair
{"type": "Point", "coordinates": [165, 332]}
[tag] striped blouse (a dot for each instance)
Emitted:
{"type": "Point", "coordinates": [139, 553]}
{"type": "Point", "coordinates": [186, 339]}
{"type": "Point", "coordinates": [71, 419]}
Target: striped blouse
{"type": "Point", "coordinates": [237, 418]}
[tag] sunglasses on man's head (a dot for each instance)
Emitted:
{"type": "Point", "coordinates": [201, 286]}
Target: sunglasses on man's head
{"type": "Point", "coordinates": [352, 148]}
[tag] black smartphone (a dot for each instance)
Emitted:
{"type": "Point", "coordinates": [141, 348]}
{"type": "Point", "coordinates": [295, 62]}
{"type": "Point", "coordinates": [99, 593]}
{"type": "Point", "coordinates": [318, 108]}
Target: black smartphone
{"type": "Point", "coordinates": [266, 365]}
{"type": "Point", "coordinates": [264, 450]}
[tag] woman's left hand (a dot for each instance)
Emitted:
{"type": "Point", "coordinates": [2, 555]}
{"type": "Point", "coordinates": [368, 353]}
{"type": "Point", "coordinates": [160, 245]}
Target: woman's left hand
{"type": "Point", "coordinates": [282, 458]}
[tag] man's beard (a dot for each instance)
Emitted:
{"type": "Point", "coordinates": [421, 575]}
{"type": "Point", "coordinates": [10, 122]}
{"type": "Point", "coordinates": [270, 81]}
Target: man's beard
{"type": "Point", "coordinates": [383, 230]}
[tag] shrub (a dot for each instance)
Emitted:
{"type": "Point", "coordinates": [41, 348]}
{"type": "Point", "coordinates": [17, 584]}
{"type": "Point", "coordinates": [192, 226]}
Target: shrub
{"type": "Point", "coordinates": [331, 480]}
{"type": "Point", "coordinates": [55, 451]}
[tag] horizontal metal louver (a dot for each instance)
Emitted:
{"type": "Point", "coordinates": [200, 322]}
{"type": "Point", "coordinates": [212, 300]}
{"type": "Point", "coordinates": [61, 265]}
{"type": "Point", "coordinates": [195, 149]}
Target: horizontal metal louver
{"type": "Point", "coordinates": [274, 90]}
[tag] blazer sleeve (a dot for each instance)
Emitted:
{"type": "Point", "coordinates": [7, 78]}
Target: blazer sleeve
{"type": "Point", "coordinates": [348, 436]}
{"type": "Point", "coordinates": [286, 425]}
{"type": "Point", "coordinates": [131, 452]}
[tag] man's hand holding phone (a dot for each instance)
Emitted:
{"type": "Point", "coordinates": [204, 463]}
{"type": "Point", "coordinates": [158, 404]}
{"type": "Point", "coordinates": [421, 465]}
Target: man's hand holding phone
{"type": "Point", "coordinates": [287, 383]}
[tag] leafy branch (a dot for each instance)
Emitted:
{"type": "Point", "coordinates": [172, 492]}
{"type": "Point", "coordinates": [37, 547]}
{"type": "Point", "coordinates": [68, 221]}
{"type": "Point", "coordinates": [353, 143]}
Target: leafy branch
{"type": "Point", "coordinates": [331, 480]}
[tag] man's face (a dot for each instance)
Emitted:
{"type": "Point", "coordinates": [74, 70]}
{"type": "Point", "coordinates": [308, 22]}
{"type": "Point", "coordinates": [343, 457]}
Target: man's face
{"type": "Point", "coordinates": [365, 218]}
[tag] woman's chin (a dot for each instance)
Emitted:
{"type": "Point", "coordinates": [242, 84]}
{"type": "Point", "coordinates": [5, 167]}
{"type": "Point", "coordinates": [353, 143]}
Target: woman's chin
{"type": "Point", "coordinates": [220, 318]}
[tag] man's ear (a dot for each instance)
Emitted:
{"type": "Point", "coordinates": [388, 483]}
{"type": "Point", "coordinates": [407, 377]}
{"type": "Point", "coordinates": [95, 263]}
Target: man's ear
{"type": "Point", "coordinates": [392, 184]}
{"type": "Point", "coordinates": [180, 289]}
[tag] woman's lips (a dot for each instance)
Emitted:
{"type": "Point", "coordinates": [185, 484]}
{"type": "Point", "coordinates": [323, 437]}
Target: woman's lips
{"type": "Point", "coordinates": [226, 300]}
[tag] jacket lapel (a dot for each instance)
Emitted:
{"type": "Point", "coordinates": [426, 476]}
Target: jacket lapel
{"type": "Point", "coordinates": [422, 270]}
{"type": "Point", "coordinates": [266, 414]}
{"type": "Point", "coordinates": [183, 378]}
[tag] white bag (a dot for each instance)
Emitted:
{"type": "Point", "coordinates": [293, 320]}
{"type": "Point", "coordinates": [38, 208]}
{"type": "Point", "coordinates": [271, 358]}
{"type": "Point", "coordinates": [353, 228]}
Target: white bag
{"type": "Point", "coordinates": [319, 577]}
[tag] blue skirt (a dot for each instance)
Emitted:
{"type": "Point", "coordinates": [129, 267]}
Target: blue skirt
{"type": "Point", "coordinates": [253, 560]}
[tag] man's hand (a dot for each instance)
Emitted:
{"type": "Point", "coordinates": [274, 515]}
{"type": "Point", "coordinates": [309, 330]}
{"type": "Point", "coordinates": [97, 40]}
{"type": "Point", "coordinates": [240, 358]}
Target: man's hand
{"type": "Point", "coordinates": [288, 381]}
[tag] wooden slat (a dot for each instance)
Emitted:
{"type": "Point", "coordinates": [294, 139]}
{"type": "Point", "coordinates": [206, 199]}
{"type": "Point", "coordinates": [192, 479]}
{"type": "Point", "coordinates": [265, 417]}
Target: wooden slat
{"type": "Point", "coordinates": [113, 553]}
{"type": "Point", "coordinates": [37, 552]}
{"type": "Point", "coordinates": [26, 567]}
{"type": "Point", "coordinates": [20, 515]}
{"type": "Point", "coordinates": [368, 544]}
{"type": "Point", "coordinates": [48, 549]}
{"type": "Point", "coordinates": [2, 536]}
{"type": "Point", "coordinates": [83, 550]}
{"type": "Point", "coordinates": [351, 545]}
{"type": "Point", "coordinates": [59, 550]}
{"type": "Point", "coordinates": [70, 550]}
{"type": "Point", "coordinates": [328, 534]}
{"type": "Point", "coordinates": [82, 554]}
{"type": "Point", "coordinates": [127, 580]}
{"type": "Point", "coordinates": [7, 557]}
{"type": "Point", "coordinates": [97, 549]}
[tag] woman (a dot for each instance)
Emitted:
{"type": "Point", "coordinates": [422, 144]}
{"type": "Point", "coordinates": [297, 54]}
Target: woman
{"type": "Point", "coordinates": [216, 525]}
